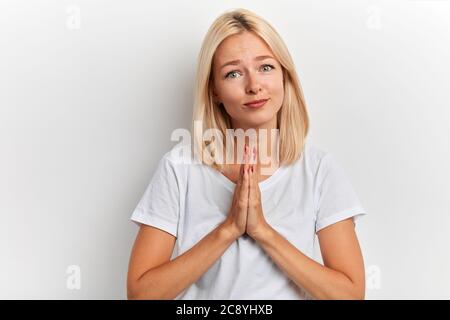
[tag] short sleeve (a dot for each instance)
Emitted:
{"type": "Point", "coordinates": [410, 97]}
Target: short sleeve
{"type": "Point", "coordinates": [336, 199]}
{"type": "Point", "coordinates": [159, 206]}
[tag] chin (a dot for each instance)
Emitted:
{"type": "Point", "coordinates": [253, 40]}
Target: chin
{"type": "Point", "coordinates": [259, 120]}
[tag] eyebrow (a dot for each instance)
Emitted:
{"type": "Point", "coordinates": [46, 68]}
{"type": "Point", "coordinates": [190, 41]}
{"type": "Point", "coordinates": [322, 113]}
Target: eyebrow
{"type": "Point", "coordinates": [236, 62]}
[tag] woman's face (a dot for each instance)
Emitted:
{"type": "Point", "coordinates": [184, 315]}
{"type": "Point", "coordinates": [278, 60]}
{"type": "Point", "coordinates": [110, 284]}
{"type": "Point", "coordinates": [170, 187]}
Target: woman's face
{"type": "Point", "coordinates": [253, 74]}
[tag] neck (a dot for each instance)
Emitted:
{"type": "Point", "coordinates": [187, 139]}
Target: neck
{"type": "Point", "coordinates": [265, 142]}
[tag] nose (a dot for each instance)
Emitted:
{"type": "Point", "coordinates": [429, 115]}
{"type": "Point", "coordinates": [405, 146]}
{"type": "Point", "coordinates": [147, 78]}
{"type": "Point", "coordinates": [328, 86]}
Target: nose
{"type": "Point", "coordinates": [253, 86]}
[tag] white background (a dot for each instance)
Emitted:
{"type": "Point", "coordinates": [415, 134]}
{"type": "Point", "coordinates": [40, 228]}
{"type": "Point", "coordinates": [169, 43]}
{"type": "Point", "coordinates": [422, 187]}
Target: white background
{"type": "Point", "coordinates": [90, 92]}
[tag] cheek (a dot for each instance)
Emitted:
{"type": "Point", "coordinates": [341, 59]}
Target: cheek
{"type": "Point", "coordinates": [232, 92]}
{"type": "Point", "coordinates": [276, 89]}
{"type": "Point", "coordinates": [277, 83]}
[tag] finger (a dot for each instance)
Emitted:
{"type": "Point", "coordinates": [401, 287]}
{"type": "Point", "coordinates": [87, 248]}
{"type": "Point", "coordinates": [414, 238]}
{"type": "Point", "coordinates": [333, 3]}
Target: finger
{"type": "Point", "coordinates": [256, 191]}
{"type": "Point", "coordinates": [256, 159]}
{"type": "Point", "coordinates": [251, 177]}
{"type": "Point", "coordinates": [242, 169]}
{"type": "Point", "coordinates": [251, 185]}
{"type": "Point", "coordinates": [246, 169]}
{"type": "Point", "coordinates": [257, 163]}
{"type": "Point", "coordinates": [246, 182]}
{"type": "Point", "coordinates": [246, 155]}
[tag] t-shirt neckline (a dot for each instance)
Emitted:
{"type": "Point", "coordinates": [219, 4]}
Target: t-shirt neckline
{"type": "Point", "coordinates": [266, 183]}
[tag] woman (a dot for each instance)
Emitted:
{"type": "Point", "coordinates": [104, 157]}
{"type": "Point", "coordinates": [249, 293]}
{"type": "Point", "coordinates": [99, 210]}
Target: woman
{"type": "Point", "coordinates": [244, 230]}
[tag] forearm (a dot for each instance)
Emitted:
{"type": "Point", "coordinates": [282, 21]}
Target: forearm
{"type": "Point", "coordinates": [171, 278]}
{"type": "Point", "coordinates": [317, 280]}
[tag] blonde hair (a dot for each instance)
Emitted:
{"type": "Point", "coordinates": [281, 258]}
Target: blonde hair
{"type": "Point", "coordinates": [292, 118]}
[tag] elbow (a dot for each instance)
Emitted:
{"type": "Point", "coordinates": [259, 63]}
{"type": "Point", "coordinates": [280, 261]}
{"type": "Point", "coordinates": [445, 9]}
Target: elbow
{"type": "Point", "coordinates": [132, 291]}
{"type": "Point", "coordinates": [357, 289]}
{"type": "Point", "coordinates": [361, 295]}
{"type": "Point", "coordinates": [354, 295]}
{"type": "Point", "coordinates": [136, 292]}
{"type": "Point", "coordinates": [359, 292]}
{"type": "Point", "coordinates": [358, 295]}
{"type": "Point", "coordinates": [354, 292]}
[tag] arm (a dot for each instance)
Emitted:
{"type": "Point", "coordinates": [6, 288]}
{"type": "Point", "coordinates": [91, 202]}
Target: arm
{"type": "Point", "coordinates": [152, 276]}
{"type": "Point", "coordinates": [341, 277]}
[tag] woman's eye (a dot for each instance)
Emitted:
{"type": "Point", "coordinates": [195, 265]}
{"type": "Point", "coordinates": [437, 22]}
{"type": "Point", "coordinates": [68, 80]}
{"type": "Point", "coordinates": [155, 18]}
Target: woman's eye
{"type": "Point", "coordinates": [268, 65]}
{"type": "Point", "coordinates": [235, 72]}
{"type": "Point", "coordinates": [230, 73]}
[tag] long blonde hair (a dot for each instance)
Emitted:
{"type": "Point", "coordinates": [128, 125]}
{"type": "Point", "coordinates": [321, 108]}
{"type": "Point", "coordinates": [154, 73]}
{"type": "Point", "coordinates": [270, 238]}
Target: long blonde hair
{"type": "Point", "coordinates": [292, 118]}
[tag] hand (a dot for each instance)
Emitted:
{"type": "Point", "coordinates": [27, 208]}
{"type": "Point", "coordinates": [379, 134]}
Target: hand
{"type": "Point", "coordinates": [256, 223]}
{"type": "Point", "coordinates": [237, 217]}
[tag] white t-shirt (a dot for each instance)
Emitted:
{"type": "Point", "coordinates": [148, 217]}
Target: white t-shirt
{"type": "Point", "coordinates": [190, 200]}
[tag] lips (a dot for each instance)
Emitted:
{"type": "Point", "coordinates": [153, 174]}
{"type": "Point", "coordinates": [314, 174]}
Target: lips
{"type": "Point", "coordinates": [256, 103]}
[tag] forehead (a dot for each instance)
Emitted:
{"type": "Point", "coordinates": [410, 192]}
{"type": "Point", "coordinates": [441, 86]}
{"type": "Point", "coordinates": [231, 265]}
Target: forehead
{"type": "Point", "coordinates": [240, 46]}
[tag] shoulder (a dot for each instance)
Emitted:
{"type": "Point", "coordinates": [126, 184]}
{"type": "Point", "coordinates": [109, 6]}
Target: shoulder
{"type": "Point", "coordinates": [315, 156]}
{"type": "Point", "coordinates": [177, 161]}
{"type": "Point", "coordinates": [322, 164]}
{"type": "Point", "coordinates": [180, 154]}
{"type": "Point", "coordinates": [171, 170]}
{"type": "Point", "coordinates": [325, 167]}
